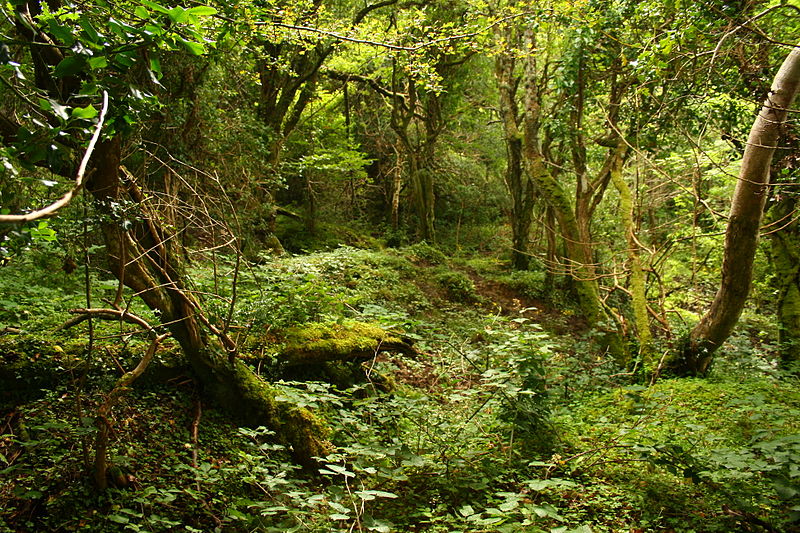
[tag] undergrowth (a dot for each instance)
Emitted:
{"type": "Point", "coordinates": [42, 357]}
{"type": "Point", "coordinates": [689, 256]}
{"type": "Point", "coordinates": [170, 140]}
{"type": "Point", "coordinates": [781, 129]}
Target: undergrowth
{"type": "Point", "coordinates": [496, 424]}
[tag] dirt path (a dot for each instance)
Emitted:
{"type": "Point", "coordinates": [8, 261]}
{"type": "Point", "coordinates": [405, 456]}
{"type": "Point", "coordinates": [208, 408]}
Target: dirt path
{"type": "Point", "coordinates": [544, 313]}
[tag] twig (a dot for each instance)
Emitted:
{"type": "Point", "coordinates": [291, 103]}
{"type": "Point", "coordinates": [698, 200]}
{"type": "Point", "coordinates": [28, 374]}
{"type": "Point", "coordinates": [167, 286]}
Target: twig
{"type": "Point", "coordinates": [198, 412]}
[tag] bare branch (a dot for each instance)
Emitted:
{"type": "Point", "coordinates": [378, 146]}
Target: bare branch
{"type": "Point", "coordinates": [64, 200]}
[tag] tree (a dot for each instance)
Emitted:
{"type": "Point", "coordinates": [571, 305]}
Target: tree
{"type": "Point", "coordinates": [574, 218]}
{"type": "Point", "coordinates": [520, 186]}
{"type": "Point", "coordinates": [744, 223]}
{"type": "Point", "coordinates": [70, 61]}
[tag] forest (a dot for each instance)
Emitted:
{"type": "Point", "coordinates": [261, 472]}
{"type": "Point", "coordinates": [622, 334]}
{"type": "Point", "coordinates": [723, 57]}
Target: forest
{"type": "Point", "coordinates": [399, 265]}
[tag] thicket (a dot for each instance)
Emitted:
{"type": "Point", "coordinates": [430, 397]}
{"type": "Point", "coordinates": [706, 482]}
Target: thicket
{"type": "Point", "coordinates": [391, 267]}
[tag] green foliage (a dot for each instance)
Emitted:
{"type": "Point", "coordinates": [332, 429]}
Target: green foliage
{"type": "Point", "coordinates": [423, 251]}
{"type": "Point", "coordinates": [495, 425]}
{"type": "Point", "coordinates": [530, 283]}
{"type": "Point", "coordinates": [459, 286]}
{"type": "Point", "coordinates": [729, 438]}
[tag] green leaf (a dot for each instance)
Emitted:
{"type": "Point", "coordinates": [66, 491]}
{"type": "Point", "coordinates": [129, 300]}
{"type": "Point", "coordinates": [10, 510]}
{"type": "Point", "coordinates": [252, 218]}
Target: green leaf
{"type": "Point", "coordinates": [384, 494]}
{"type": "Point", "coordinates": [119, 519]}
{"type": "Point", "coordinates": [336, 470]}
{"type": "Point", "coordinates": [784, 490]}
{"type": "Point", "coordinates": [155, 65]}
{"type": "Point", "coordinates": [338, 516]}
{"type": "Point", "coordinates": [141, 12]}
{"type": "Point", "coordinates": [178, 15]}
{"type": "Point", "coordinates": [91, 33]}
{"type": "Point", "coordinates": [84, 112]}
{"type": "Point", "coordinates": [155, 7]}
{"type": "Point", "coordinates": [467, 510]}
{"type": "Point", "coordinates": [194, 48]}
{"type": "Point", "coordinates": [202, 11]}
{"type": "Point", "coordinates": [69, 66]}
{"type": "Point", "coordinates": [62, 33]}
{"type": "Point", "coordinates": [125, 59]}
{"type": "Point", "coordinates": [509, 505]}
{"type": "Point", "coordinates": [98, 62]}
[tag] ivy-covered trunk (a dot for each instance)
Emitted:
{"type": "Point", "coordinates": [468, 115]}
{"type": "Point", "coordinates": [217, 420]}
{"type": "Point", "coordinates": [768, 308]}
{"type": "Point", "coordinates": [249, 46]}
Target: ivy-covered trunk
{"type": "Point", "coordinates": [146, 260]}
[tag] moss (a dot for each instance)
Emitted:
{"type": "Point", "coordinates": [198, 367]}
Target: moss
{"type": "Point", "coordinates": [341, 338]}
{"type": "Point", "coordinates": [256, 403]}
{"type": "Point", "coordinates": [424, 252]}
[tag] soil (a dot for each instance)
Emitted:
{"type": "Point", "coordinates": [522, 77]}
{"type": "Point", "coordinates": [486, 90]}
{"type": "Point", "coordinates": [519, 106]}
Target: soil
{"type": "Point", "coordinates": [511, 302]}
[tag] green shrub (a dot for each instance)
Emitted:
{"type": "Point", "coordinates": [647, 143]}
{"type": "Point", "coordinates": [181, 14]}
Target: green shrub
{"type": "Point", "coordinates": [458, 285]}
{"type": "Point", "coordinates": [526, 282]}
{"type": "Point", "coordinates": [425, 252]}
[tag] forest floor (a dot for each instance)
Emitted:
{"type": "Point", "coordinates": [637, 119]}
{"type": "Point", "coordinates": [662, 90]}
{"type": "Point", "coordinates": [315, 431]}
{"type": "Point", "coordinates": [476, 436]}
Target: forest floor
{"type": "Point", "coordinates": [508, 419]}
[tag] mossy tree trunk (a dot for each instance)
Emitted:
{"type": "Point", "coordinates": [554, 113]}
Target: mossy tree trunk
{"type": "Point", "coordinates": [637, 277]}
{"type": "Point", "coordinates": [579, 255]}
{"type": "Point", "coordinates": [520, 186]}
{"type": "Point", "coordinates": [417, 121]}
{"type": "Point", "coordinates": [145, 259]}
{"type": "Point", "coordinates": [744, 222]}
{"type": "Point", "coordinates": [785, 255]}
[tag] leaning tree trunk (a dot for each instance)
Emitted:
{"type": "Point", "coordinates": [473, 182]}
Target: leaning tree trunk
{"type": "Point", "coordinates": [145, 260]}
{"type": "Point", "coordinates": [741, 236]}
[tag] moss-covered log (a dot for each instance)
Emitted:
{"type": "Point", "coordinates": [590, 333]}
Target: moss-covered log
{"type": "Point", "coordinates": [348, 341]}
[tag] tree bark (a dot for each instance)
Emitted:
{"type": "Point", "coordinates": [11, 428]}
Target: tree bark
{"type": "Point", "coordinates": [741, 236]}
{"type": "Point", "coordinates": [520, 186]}
{"type": "Point", "coordinates": [154, 274]}
{"type": "Point", "coordinates": [785, 255]}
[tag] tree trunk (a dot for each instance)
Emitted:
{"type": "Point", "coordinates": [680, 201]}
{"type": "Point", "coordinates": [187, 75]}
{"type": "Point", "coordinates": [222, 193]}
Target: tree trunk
{"type": "Point", "coordinates": [397, 188]}
{"type": "Point", "coordinates": [741, 236]}
{"type": "Point", "coordinates": [786, 264]}
{"type": "Point", "coordinates": [637, 278]}
{"type": "Point", "coordinates": [154, 274]}
{"type": "Point", "coordinates": [417, 121]}
{"type": "Point", "coordinates": [421, 179]}
{"type": "Point", "coordinates": [580, 263]}
{"type": "Point", "coordinates": [520, 187]}
{"type": "Point", "coordinates": [551, 257]}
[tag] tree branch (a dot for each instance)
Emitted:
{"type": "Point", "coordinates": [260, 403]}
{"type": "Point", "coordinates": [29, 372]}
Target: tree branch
{"type": "Point", "coordinates": [64, 200]}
